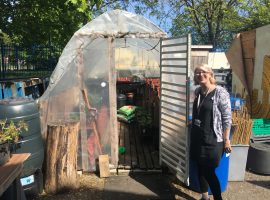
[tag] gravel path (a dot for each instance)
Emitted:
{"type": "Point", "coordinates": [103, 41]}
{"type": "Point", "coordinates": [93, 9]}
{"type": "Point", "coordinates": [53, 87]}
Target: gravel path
{"type": "Point", "coordinates": [255, 187]}
{"type": "Point", "coordinates": [92, 188]}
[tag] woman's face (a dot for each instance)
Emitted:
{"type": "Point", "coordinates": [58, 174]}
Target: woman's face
{"type": "Point", "coordinates": [202, 75]}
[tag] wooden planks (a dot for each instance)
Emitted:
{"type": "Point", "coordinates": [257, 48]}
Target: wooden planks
{"type": "Point", "coordinates": [140, 151]}
{"type": "Point", "coordinates": [133, 148]}
{"type": "Point", "coordinates": [11, 170]}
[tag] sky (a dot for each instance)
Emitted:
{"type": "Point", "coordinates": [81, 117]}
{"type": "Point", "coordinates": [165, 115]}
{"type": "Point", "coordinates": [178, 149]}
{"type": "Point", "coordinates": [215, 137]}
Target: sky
{"type": "Point", "coordinates": [165, 24]}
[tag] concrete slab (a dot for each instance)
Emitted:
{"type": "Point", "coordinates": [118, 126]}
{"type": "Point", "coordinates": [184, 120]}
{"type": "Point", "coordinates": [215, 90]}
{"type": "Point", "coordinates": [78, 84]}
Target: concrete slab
{"type": "Point", "coordinates": [138, 187]}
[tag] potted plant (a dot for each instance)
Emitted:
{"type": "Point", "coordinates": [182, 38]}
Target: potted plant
{"type": "Point", "coordinates": [144, 120]}
{"type": "Point", "coordinates": [9, 137]}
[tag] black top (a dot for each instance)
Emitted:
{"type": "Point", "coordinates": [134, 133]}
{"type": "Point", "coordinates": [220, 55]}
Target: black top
{"type": "Point", "coordinates": [204, 146]}
{"type": "Point", "coordinates": [205, 114]}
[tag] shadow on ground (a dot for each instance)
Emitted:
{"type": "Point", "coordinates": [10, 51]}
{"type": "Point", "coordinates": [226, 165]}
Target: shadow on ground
{"type": "Point", "coordinates": [264, 184]}
{"type": "Point", "coordinates": [156, 186]}
{"type": "Point", "coordinates": [125, 187]}
{"type": "Point", "coordinates": [143, 187]}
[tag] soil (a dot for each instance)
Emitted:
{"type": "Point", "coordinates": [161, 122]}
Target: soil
{"type": "Point", "coordinates": [92, 188]}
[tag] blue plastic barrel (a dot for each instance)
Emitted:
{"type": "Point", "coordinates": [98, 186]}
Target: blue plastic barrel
{"type": "Point", "coordinates": [222, 172]}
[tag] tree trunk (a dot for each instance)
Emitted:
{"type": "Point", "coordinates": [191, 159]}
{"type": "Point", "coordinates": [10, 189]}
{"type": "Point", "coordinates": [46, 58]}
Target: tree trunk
{"type": "Point", "coordinates": [61, 156]}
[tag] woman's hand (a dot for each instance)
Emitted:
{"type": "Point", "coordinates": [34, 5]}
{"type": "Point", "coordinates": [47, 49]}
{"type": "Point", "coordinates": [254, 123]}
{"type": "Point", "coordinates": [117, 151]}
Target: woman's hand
{"type": "Point", "coordinates": [227, 146]}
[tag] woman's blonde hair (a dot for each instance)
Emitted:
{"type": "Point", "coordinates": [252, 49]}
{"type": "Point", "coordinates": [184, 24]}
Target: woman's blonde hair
{"type": "Point", "coordinates": [206, 68]}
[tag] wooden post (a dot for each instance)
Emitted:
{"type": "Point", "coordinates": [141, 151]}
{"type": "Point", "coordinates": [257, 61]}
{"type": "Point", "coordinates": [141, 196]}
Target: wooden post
{"type": "Point", "coordinates": [113, 104]}
{"type": "Point", "coordinates": [61, 156]}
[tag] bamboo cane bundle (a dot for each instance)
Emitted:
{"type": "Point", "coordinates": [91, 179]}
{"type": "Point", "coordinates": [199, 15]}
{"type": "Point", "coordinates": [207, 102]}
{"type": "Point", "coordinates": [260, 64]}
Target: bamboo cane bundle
{"type": "Point", "coordinates": [249, 124]}
{"type": "Point", "coordinates": [241, 126]}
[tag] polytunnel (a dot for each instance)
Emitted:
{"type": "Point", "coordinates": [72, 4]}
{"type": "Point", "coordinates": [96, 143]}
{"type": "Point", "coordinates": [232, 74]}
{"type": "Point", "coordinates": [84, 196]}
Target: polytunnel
{"type": "Point", "coordinates": [83, 85]}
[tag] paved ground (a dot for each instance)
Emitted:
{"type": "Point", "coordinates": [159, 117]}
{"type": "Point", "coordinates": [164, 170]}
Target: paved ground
{"type": "Point", "coordinates": [157, 186]}
{"type": "Point", "coordinates": [166, 187]}
{"type": "Point", "coordinates": [254, 187]}
{"type": "Point", "coordinates": [138, 187]}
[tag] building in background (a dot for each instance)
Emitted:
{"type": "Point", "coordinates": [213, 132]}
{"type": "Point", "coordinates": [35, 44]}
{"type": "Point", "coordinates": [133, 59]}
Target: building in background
{"type": "Point", "coordinates": [221, 67]}
{"type": "Point", "coordinates": [218, 60]}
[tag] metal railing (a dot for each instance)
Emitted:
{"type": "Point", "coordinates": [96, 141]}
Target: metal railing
{"type": "Point", "coordinates": [22, 62]}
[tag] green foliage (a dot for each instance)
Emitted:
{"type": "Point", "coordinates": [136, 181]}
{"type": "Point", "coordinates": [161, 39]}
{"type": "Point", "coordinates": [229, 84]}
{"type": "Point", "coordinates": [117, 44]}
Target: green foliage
{"type": "Point", "coordinates": [212, 22]}
{"type": "Point", "coordinates": [85, 7]}
{"type": "Point", "coordinates": [217, 21]}
{"type": "Point", "coordinates": [35, 22]}
{"type": "Point", "coordinates": [257, 14]}
{"type": "Point", "coordinates": [207, 21]}
{"type": "Point", "coordinates": [4, 37]}
{"type": "Point", "coordinates": [53, 22]}
{"type": "Point", "coordinates": [144, 119]}
{"type": "Point", "coordinates": [11, 131]}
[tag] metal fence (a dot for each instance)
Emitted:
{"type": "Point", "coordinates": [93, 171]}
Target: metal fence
{"type": "Point", "coordinates": [22, 62]}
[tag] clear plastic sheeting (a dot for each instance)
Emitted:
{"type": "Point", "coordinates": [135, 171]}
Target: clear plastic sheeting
{"type": "Point", "coordinates": [135, 56]}
{"type": "Point", "coordinates": [83, 85]}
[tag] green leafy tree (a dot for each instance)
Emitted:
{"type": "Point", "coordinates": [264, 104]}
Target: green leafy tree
{"type": "Point", "coordinates": [86, 8]}
{"type": "Point", "coordinates": [31, 22]}
{"type": "Point", "coordinates": [35, 22]}
{"type": "Point", "coordinates": [4, 38]}
{"type": "Point", "coordinates": [212, 22]}
{"type": "Point", "coordinates": [257, 14]}
{"type": "Point", "coordinates": [209, 21]}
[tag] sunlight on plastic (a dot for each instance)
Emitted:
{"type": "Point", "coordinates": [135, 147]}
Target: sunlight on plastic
{"type": "Point", "coordinates": [103, 84]}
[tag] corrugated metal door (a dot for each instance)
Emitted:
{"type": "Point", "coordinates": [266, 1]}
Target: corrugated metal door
{"type": "Point", "coordinates": [174, 109]}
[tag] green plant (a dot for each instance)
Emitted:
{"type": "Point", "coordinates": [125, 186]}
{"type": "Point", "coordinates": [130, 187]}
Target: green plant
{"type": "Point", "coordinates": [10, 131]}
{"type": "Point", "coordinates": [144, 119]}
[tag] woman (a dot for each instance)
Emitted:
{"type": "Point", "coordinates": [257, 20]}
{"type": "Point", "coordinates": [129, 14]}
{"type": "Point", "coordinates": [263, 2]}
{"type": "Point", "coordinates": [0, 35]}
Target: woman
{"type": "Point", "coordinates": [211, 123]}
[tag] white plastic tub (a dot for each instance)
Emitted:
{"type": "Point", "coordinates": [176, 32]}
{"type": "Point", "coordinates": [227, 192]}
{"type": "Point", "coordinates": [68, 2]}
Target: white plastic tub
{"type": "Point", "coordinates": [238, 161]}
